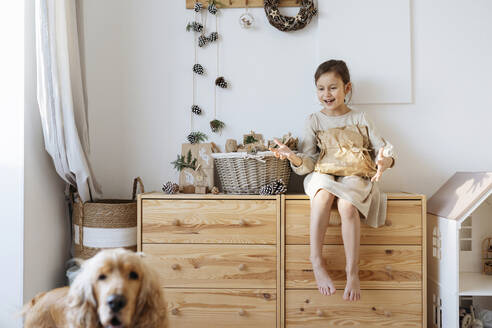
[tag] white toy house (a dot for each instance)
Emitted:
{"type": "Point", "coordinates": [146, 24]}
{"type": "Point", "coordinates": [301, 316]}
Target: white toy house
{"type": "Point", "coordinates": [459, 219]}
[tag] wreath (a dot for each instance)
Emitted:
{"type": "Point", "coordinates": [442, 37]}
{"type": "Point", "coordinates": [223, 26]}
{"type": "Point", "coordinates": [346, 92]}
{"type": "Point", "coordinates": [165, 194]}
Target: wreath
{"type": "Point", "coordinates": [287, 23]}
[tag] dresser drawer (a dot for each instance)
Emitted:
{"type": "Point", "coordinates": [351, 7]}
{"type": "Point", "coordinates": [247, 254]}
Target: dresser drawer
{"type": "Point", "coordinates": [209, 221]}
{"type": "Point", "coordinates": [192, 308]}
{"type": "Point", "coordinates": [403, 224]}
{"type": "Point", "coordinates": [376, 309]}
{"type": "Point", "coordinates": [381, 267]}
{"type": "Point", "coordinates": [214, 266]}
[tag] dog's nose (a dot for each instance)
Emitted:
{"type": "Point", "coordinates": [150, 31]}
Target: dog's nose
{"type": "Point", "coordinates": [116, 302]}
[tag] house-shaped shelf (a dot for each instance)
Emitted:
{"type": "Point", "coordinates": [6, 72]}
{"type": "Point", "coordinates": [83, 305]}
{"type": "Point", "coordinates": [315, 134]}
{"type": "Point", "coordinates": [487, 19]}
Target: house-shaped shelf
{"type": "Point", "coordinates": [459, 219]}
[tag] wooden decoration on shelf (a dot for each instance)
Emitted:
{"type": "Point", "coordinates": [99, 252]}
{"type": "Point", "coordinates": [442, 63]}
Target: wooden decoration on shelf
{"type": "Point", "coordinates": [487, 256]}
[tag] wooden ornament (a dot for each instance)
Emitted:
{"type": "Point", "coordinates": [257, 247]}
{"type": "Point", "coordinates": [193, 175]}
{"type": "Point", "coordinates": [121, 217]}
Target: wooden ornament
{"type": "Point", "coordinates": [231, 146]}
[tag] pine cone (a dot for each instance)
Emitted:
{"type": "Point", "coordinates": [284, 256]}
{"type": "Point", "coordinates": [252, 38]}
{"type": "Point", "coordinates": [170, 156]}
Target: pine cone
{"type": "Point", "coordinates": [266, 189]}
{"type": "Point", "coordinates": [221, 82]}
{"type": "Point", "coordinates": [196, 110]}
{"type": "Point", "coordinates": [192, 138]}
{"type": "Point", "coordinates": [212, 8]}
{"type": "Point", "coordinates": [202, 41]}
{"type": "Point", "coordinates": [170, 188]}
{"type": "Point", "coordinates": [198, 69]}
{"type": "Point", "coordinates": [279, 187]}
{"type": "Point", "coordinates": [195, 26]}
{"type": "Point", "coordinates": [198, 7]}
{"type": "Point", "coordinates": [214, 36]}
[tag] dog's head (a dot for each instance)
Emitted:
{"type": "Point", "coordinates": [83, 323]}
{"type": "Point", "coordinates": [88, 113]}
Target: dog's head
{"type": "Point", "coordinates": [116, 289]}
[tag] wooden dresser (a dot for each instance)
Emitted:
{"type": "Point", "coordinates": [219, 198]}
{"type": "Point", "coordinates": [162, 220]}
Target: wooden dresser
{"type": "Point", "coordinates": [242, 261]}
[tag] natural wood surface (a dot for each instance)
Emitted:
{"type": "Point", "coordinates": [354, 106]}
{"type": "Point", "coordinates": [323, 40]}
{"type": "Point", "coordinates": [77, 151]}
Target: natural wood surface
{"type": "Point", "coordinates": [214, 266]}
{"type": "Point", "coordinates": [161, 195]}
{"type": "Point", "coordinates": [209, 221]}
{"type": "Point", "coordinates": [381, 267]}
{"type": "Point", "coordinates": [242, 3]}
{"type": "Point", "coordinates": [221, 308]}
{"type": "Point", "coordinates": [376, 309]}
{"type": "Point", "coordinates": [403, 224]}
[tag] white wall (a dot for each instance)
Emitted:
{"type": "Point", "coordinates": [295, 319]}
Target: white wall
{"type": "Point", "coordinates": [46, 222]}
{"type": "Point", "coordinates": [11, 161]}
{"type": "Point", "coordinates": [138, 60]}
{"type": "Point", "coordinates": [33, 224]}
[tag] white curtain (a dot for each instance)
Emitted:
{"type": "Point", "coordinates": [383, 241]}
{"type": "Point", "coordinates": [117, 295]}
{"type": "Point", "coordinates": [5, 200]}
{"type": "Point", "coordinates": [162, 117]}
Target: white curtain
{"type": "Point", "coordinates": [60, 94]}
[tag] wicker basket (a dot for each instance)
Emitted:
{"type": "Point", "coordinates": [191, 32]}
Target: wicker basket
{"type": "Point", "coordinates": [243, 173]}
{"type": "Point", "coordinates": [107, 223]}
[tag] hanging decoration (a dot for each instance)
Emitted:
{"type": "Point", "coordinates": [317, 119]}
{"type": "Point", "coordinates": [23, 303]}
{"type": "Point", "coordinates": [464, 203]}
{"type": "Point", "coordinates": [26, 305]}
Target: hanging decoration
{"type": "Point", "coordinates": [198, 69]}
{"type": "Point", "coordinates": [246, 20]}
{"type": "Point", "coordinates": [287, 23]}
{"type": "Point", "coordinates": [216, 125]}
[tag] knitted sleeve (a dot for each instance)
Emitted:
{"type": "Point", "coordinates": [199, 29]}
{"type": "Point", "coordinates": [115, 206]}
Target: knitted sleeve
{"type": "Point", "coordinates": [308, 151]}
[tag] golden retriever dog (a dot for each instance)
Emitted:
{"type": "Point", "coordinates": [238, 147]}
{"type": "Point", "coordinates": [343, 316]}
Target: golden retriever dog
{"type": "Point", "coordinates": [114, 289]}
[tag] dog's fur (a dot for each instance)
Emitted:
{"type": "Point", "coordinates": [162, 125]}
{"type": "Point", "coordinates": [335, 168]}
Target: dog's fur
{"type": "Point", "coordinates": [86, 303]}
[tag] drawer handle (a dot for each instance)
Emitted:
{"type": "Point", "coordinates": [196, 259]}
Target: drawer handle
{"type": "Point", "coordinates": [176, 223]}
{"type": "Point", "coordinates": [388, 223]}
{"type": "Point", "coordinates": [389, 251]}
{"type": "Point", "coordinates": [267, 296]}
{"type": "Point", "coordinates": [175, 266]}
{"type": "Point", "coordinates": [242, 313]}
{"type": "Point", "coordinates": [243, 223]}
{"type": "Point", "coordinates": [174, 311]}
{"type": "Point", "coordinates": [242, 267]}
{"type": "Point", "coordinates": [319, 313]}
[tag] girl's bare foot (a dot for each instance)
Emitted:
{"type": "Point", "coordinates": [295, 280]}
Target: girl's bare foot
{"type": "Point", "coordinates": [352, 289]}
{"type": "Point", "coordinates": [325, 284]}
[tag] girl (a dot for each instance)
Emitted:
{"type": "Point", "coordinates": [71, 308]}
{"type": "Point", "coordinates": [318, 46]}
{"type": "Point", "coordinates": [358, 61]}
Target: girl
{"type": "Point", "coordinates": [338, 152]}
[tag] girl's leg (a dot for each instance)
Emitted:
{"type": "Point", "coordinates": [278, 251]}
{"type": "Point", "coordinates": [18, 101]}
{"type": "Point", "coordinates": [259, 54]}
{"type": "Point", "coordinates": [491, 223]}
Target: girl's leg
{"type": "Point", "coordinates": [320, 217]}
{"type": "Point", "coordinates": [351, 242]}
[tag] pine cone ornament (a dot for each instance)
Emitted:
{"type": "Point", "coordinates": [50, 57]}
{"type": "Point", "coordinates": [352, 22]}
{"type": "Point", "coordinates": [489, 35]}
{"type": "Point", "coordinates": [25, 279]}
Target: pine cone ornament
{"type": "Point", "coordinates": [214, 36]}
{"type": "Point", "coordinates": [196, 110]}
{"type": "Point", "coordinates": [212, 8]}
{"type": "Point", "coordinates": [202, 41]}
{"type": "Point", "coordinates": [221, 82]}
{"type": "Point", "coordinates": [266, 189]}
{"type": "Point", "coordinates": [198, 7]}
{"type": "Point", "coordinates": [170, 188]}
{"type": "Point", "coordinates": [198, 69]}
{"type": "Point", "coordinates": [191, 138]}
{"type": "Point", "coordinates": [195, 26]}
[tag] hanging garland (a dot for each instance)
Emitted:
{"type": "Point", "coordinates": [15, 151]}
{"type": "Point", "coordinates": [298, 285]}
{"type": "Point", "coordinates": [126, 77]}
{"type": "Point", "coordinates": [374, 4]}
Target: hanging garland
{"type": "Point", "coordinates": [287, 23]}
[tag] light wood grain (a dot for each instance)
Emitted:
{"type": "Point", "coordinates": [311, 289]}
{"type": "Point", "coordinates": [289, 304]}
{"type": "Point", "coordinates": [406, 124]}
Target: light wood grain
{"type": "Point", "coordinates": [242, 3]}
{"type": "Point", "coordinates": [391, 196]}
{"type": "Point", "coordinates": [376, 309]}
{"type": "Point", "coordinates": [210, 221]}
{"type": "Point", "coordinates": [381, 267]}
{"type": "Point", "coordinates": [221, 308]}
{"type": "Point", "coordinates": [403, 224]}
{"type": "Point", "coordinates": [280, 262]}
{"type": "Point", "coordinates": [424, 261]}
{"type": "Point", "coordinates": [161, 195]}
{"type": "Point", "coordinates": [214, 266]}
{"type": "Point", "coordinates": [139, 223]}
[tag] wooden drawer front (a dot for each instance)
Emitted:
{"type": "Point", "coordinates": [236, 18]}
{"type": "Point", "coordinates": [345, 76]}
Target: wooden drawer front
{"type": "Point", "coordinates": [192, 308]}
{"type": "Point", "coordinates": [209, 221]}
{"type": "Point", "coordinates": [381, 267]}
{"type": "Point", "coordinates": [403, 224]}
{"type": "Point", "coordinates": [376, 309]}
{"type": "Point", "coordinates": [214, 266]}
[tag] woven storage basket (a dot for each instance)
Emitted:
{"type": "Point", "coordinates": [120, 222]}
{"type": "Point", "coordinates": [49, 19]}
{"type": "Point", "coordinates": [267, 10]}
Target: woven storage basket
{"type": "Point", "coordinates": [107, 223]}
{"type": "Point", "coordinates": [243, 173]}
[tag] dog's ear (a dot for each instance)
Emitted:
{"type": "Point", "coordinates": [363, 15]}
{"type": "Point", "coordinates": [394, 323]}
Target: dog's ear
{"type": "Point", "coordinates": [150, 311]}
{"type": "Point", "coordinates": [82, 306]}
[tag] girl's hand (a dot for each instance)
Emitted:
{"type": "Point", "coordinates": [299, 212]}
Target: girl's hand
{"type": "Point", "coordinates": [383, 163]}
{"type": "Point", "coordinates": [282, 151]}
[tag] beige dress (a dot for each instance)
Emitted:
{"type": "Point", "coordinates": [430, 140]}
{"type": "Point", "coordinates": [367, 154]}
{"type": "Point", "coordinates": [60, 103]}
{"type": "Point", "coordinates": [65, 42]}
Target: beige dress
{"type": "Point", "coordinates": [361, 192]}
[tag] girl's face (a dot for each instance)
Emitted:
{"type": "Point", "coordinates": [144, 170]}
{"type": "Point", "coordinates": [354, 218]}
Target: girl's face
{"type": "Point", "coordinates": [331, 91]}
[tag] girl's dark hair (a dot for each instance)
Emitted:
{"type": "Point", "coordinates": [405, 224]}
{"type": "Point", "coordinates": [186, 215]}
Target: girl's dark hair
{"type": "Point", "coordinates": [337, 66]}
